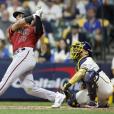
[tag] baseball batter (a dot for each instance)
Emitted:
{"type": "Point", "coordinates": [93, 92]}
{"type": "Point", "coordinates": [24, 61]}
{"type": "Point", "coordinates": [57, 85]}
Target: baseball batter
{"type": "Point", "coordinates": [23, 36]}
{"type": "Point", "coordinates": [96, 81]}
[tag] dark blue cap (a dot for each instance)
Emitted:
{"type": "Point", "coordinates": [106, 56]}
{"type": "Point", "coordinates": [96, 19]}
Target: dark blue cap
{"type": "Point", "coordinates": [90, 6]}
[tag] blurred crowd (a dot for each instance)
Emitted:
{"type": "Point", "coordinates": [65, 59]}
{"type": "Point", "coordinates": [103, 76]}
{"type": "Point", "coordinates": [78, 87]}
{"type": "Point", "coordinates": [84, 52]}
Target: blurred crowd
{"type": "Point", "coordinates": [65, 21]}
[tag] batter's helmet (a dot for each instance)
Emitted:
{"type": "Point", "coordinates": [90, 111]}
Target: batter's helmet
{"type": "Point", "coordinates": [18, 12]}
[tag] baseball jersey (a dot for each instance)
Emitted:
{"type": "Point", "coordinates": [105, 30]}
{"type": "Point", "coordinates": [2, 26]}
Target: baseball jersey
{"type": "Point", "coordinates": [25, 37]}
{"type": "Point", "coordinates": [89, 64]}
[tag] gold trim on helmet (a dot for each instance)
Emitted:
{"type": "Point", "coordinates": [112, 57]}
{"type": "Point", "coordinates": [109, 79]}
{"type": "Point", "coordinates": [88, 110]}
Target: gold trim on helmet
{"type": "Point", "coordinates": [76, 49]}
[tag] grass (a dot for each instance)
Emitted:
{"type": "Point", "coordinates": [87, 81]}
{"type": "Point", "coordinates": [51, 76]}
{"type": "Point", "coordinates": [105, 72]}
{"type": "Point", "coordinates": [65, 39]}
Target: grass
{"type": "Point", "coordinates": [55, 111]}
{"type": "Point", "coordinates": [52, 112]}
{"type": "Point", "coordinates": [44, 108]}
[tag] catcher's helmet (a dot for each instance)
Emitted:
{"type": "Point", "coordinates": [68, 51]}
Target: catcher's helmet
{"type": "Point", "coordinates": [87, 47]}
{"type": "Point", "coordinates": [77, 48]}
{"type": "Point", "coordinates": [18, 12]}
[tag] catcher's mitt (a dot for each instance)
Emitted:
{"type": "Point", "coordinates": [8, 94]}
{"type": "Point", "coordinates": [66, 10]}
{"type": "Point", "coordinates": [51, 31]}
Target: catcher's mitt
{"type": "Point", "coordinates": [70, 97]}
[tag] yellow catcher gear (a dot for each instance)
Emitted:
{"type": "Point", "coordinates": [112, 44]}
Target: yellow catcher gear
{"type": "Point", "coordinates": [75, 50]}
{"type": "Point", "coordinates": [77, 47]}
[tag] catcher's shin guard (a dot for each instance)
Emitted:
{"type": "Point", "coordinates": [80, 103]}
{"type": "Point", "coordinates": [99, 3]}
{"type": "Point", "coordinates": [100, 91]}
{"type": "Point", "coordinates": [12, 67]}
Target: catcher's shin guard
{"type": "Point", "coordinates": [71, 98]}
{"type": "Point", "coordinates": [90, 80]}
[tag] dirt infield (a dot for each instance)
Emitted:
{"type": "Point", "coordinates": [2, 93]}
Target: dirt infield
{"type": "Point", "coordinates": [25, 107]}
{"type": "Point", "coordinates": [111, 109]}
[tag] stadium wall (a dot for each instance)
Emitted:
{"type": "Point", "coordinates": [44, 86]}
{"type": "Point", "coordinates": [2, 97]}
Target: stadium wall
{"type": "Point", "coordinates": [47, 75]}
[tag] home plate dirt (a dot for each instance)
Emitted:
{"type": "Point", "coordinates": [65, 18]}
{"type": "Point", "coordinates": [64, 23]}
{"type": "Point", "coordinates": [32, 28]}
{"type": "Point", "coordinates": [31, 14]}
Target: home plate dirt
{"type": "Point", "coordinates": [26, 107]}
{"type": "Point", "coordinates": [111, 109]}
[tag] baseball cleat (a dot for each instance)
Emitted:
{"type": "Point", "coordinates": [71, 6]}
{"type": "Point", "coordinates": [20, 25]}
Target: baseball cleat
{"type": "Point", "coordinates": [103, 105]}
{"type": "Point", "coordinates": [58, 100]}
{"type": "Point", "coordinates": [92, 103]}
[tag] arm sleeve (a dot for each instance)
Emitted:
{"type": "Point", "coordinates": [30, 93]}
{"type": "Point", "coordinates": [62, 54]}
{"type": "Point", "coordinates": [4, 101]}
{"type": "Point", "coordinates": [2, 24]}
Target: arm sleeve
{"type": "Point", "coordinates": [78, 76]}
{"type": "Point", "coordinates": [38, 27]}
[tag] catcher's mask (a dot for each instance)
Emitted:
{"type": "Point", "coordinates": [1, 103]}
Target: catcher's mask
{"type": "Point", "coordinates": [77, 48]}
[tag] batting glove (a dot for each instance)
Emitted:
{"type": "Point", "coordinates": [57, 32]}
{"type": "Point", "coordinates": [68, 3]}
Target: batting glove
{"type": "Point", "coordinates": [38, 12]}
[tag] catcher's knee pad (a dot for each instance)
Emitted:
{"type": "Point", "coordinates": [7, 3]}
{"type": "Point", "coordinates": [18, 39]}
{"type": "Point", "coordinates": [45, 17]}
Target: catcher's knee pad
{"type": "Point", "coordinates": [27, 85]}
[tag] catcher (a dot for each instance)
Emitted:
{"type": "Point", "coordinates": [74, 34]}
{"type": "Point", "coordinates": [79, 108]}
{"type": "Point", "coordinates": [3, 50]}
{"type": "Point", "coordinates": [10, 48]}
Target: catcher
{"type": "Point", "coordinates": [95, 80]}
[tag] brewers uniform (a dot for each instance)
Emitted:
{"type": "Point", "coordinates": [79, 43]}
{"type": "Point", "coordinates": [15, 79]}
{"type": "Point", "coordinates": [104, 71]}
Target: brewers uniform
{"type": "Point", "coordinates": [96, 81]}
{"type": "Point", "coordinates": [104, 86]}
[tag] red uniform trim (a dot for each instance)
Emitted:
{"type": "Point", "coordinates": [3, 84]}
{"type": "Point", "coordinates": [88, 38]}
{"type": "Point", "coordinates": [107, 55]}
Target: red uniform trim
{"type": "Point", "coordinates": [13, 71]}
